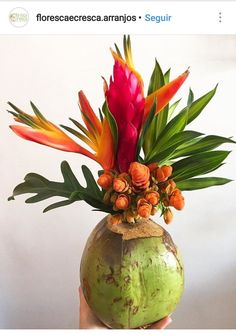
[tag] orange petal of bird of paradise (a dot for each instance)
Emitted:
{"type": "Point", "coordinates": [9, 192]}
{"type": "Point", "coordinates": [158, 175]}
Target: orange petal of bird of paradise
{"type": "Point", "coordinates": [164, 94]}
{"type": "Point", "coordinates": [101, 134]}
{"type": "Point", "coordinates": [92, 122]}
{"type": "Point", "coordinates": [54, 138]}
{"type": "Point", "coordinates": [105, 153]}
{"type": "Point", "coordinates": [37, 129]}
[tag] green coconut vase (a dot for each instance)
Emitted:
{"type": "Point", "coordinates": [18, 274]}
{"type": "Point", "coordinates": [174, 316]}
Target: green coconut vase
{"type": "Point", "coordinates": [131, 275]}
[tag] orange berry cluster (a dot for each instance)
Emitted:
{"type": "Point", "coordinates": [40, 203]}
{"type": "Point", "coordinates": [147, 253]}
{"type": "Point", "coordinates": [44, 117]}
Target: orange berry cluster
{"type": "Point", "coordinates": [141, 192]}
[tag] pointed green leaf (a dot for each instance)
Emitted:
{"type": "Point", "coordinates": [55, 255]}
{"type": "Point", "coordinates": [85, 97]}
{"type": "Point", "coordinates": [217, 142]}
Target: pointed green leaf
{"type": "Point", "coordinates": [69, 177]}
{"type": "Point", "coordinates": [162, 118]}
{"type": "Point", "coordinates": [18, 110]}
{"type": "Point", "coordinates": [172, 109]}
{"type": "Point", "coordinates": [112, 122]}
{"type": "Point", "coordinates": [78, 134]}
{"type": "Point", "coordinates": [118, 51]}
{"type": "Point", "coordinates": [199, 183]}
{"type": "Point", "coordinates": [159, 122]}
{"type": "Point", "coordinates": [38, 113]}
{"type": "Point", "coordinates": [167, 76]}
{"type": "Point", "coordinates": [156, 80]}
{"type": "Point", "coordinates": [58, 204]}
{"type": "Point", "coordinates": [127, 48]}
{"type": "Point", "coordinates": [174, 142]}
{"type": "Point", "coordinates": [22, 116]}
{"type": "Point", "coordinates": [43, 195]}
{"type": "Point", "coordinates": [80, 126]}
{"type": "Point", "coordinates": [190, 98]}
{"type": "Point", "coordinates": [205, 144]}
{"type": "Point", "coordinates": [92, 186]}
{"type": "Point", "coordinates": [198, 164]}
{"type": "Point", "coordinates": [151, 136]}
{"type": "Point", "coordinates": [199, 104]}
{"type": "Point", "coordinates": [146, 128]}
{"type": "Point", "coordinates": [174, 126]}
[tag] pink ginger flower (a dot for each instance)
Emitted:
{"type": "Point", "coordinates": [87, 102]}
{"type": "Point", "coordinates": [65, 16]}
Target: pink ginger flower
{"type": "Point", "coordinates": [126, 103]}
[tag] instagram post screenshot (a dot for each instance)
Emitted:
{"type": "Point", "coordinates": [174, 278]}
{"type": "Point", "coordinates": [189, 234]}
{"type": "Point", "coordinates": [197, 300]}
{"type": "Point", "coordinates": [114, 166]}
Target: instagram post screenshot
{"type": "Point", "coordinates": [118, 166]}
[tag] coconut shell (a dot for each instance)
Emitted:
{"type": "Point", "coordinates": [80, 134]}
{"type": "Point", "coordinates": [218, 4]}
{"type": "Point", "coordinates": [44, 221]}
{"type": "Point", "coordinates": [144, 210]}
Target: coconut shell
{"type": "Point", "coordinates": [131, 275]}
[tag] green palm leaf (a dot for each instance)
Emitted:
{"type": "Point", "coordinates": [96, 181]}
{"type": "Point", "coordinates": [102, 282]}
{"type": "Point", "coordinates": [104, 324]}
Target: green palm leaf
{"type": "Point", "coordinates": [198, 164]}
{"type": "Point", "coordinates": [199, 183]}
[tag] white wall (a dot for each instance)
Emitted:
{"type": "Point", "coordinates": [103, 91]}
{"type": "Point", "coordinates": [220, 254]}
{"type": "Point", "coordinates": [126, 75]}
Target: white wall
{"type": "Point", "coordinates": [40, 253]}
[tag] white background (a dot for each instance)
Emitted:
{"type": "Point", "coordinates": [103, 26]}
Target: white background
{"type": "Point", "coordinates": [40, 253]}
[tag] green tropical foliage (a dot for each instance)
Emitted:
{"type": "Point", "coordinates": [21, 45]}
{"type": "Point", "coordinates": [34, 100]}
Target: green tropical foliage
{"type": "Point", "coordinates": [70, 189]}
{"type": "Point", "coordinates": [164, 139]}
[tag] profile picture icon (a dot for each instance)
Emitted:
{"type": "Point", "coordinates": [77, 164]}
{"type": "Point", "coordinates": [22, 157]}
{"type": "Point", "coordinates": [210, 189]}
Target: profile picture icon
{"type": "Point", "coordinates": [19, 17]}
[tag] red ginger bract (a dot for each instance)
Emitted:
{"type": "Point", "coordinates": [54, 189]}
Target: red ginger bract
{"type": "Point", "coordinates": [126, 103]}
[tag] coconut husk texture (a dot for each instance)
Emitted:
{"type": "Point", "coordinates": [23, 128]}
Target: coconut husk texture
{"type": "Point", "coordinates": [131, 275]}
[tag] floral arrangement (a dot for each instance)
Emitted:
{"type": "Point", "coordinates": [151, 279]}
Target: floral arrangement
{"type": "Point", "coordinates": [147, 156]}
